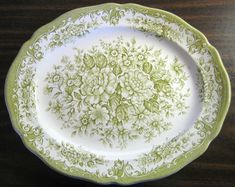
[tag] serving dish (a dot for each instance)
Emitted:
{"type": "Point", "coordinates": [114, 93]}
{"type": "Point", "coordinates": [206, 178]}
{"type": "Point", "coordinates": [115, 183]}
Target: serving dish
{"type": "Point", "coordinates": [117, 93]}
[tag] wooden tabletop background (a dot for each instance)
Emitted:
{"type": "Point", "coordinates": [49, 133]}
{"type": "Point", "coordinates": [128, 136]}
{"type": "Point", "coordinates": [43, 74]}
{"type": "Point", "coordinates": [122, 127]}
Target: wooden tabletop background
{"type": "Point", "coordinates": [18, 21]}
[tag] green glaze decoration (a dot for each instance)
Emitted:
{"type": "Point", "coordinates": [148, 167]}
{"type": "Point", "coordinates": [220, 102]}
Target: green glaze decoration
{"type": "Point", "coordinates": [107, 93]}
{"type": "Point", "coordinates": [118, 105]}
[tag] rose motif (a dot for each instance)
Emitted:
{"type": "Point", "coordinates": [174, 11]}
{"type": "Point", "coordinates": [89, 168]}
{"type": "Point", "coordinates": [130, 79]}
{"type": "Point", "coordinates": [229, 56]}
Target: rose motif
{"type": "Point", "coordinates": [98, 85]}
{"type": "Point", "coordinates": [136, 85]}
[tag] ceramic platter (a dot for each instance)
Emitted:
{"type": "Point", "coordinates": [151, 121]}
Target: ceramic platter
{"type": "Point", "coordinates": [117, 93]}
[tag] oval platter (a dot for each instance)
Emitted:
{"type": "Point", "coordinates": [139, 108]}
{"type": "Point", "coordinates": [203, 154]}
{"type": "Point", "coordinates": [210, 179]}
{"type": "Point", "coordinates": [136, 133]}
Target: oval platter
{"type": "Point", "coordinates": [117, 93]}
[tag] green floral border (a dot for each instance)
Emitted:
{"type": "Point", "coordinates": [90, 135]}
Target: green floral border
{"type": "Point", "coordinates": [161, 172]}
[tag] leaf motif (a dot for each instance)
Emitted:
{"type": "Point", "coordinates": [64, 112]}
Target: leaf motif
{"type": "Point", "coordinates": [77, 96]}
{"type": "Point", "coordinates": [147, 67]}
{"type": "Point", "coordinates": [88, 61]}
{"type": "Point", "coordinates": [117, 70]}
{"type": "Point", "coordinates": [148, 105]}
{"type": "Point", "coordinates": [154, 77]}
{"type": "Point", "coordinates": [152, 105]}
{"type": "Point", "coordinates": [121, 112]}
{"type": "Point", "coordinates": [101, 60]}
{"type": "Point", "coordinates": [124, 49]}
{"type": "Point", "coordinates": [114, 101]}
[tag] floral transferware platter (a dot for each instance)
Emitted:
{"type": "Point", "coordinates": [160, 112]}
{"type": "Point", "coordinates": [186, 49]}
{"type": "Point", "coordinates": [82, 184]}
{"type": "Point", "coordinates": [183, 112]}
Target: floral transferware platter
{"type": "Point", "coordinates": [117, 93]}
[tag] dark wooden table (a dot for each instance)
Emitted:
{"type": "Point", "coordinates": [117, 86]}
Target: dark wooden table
{"type": "Point", "coordinates": [18, 21]}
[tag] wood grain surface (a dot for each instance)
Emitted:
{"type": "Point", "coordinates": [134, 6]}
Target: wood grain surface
{"type": "Point", "coordinates": [18, 21]}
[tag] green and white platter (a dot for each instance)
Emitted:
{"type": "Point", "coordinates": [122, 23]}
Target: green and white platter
{"type": "Point", "coordinates": [117, 93]}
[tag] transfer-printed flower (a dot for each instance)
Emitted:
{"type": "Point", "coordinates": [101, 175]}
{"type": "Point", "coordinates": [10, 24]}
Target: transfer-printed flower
{"type": "Point", "coordinates": [118, 91]}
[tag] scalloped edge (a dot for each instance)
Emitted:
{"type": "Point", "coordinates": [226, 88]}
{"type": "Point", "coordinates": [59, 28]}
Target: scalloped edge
{"type": "Point", "coordinates": [182, 161]}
